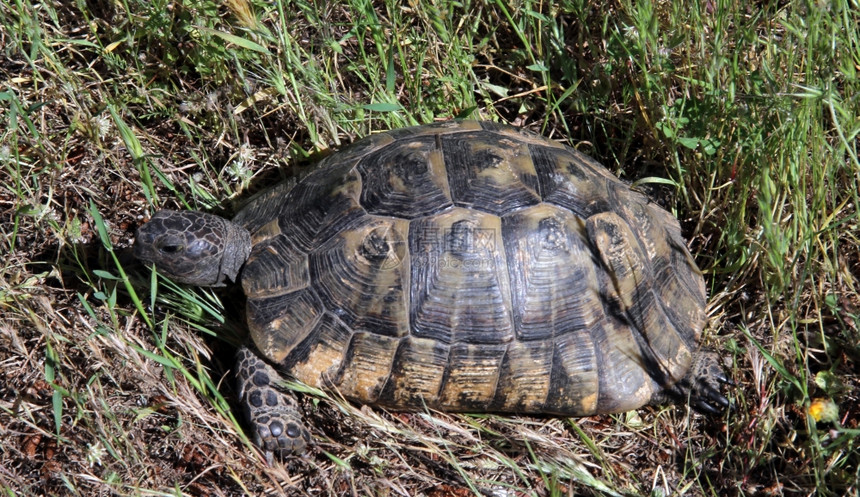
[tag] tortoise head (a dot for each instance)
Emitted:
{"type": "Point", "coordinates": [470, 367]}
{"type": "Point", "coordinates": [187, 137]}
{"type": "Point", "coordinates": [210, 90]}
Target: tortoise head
{"type": "Point", "coordinates": [193, 247]}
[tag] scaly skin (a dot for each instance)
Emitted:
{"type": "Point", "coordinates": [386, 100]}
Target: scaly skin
{"type": "Point", "coordinates": [274, 415]}
{"type": "Point", "coordinates": [701, 385]}
{"type": "Point", "coordinates": [203, 249]}
{"type": "Point", "coordinates": [193, 247]}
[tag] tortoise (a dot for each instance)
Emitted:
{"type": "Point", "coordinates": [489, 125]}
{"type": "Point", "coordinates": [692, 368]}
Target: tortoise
{"type": "Point", "coordinates": [459, 266]}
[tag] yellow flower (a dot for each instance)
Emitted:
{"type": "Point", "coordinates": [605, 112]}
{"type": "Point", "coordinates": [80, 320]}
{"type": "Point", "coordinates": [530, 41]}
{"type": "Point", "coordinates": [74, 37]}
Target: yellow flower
{"type": "Point", "coordinates": [824, 410]}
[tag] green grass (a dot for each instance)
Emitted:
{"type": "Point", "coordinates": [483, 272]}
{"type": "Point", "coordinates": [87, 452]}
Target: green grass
{"type": "Point", "coordinates": [743, 120]}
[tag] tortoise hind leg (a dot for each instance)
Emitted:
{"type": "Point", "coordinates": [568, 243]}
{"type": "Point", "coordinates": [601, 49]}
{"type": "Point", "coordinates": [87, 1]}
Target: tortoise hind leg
{"type": "Point", "coordinates": [701, 385]}
{"type": "Point", "coordinates": [273, 415]}
{"type": "Point", "coordinates": [704, 380]}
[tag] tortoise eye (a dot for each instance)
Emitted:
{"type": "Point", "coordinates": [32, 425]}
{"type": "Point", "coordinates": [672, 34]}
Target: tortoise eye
{"type": "Point", "coordinates": [170, 249]}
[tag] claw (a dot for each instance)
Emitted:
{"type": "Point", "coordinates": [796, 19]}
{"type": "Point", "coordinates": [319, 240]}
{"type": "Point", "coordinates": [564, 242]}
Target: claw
{"type": "Point", "coordinates": [710, 400]}
{"type": "Point", "coordinates": [715, 396]}
{"type": "Point", "coordinates": [705, 407]}
{"type": "Point", "coordinates": [718, 374]}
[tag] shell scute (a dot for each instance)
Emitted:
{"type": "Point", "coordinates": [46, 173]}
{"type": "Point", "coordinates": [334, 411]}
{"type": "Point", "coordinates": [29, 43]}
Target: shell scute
{"type": "Point", "coordinates": [321, 206]}
{"type": "Point", "coordinates": [366, 366]}
{"type": "Point", "coordinates": [524, 377]}
{"type": "Point", "coordinates": [472, 376]}
{"type": "Point", "coordinates": [570, 180]}
{"type": "Point", "coordinates": [552, 273]}
{"type": "Point", "coordinates": [640, 329]}
{"type": "Point", "coordinates": [276, 267]}
{"type": "Point", "coordinates": [279, 323]}
{"type": "Point", "coordinates": [407, 180]}
{"type": "Point", "coordinates": [417, 373]}
{"type": "Point", "coordinates": [574, 380]}
{"type": "Point", "coordinates": [361, 275]}
{"type": "Point", "coordinates": [318, 358]}
{"type": "Point", "coordinates": [489, 173]}
{"type": "Point", "coordinates": [459, 285]}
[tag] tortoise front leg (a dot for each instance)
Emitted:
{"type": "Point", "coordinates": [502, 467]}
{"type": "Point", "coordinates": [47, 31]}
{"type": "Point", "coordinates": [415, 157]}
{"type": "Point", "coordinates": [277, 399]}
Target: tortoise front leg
{"type": "Point", "coordinates": [273, 415]}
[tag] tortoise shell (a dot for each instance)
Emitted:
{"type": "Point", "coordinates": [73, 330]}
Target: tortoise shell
{"type": "Point", "coordinates": [471, 266]}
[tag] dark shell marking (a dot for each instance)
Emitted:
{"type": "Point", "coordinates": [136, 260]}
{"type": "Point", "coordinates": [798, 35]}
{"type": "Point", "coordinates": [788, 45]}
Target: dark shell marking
{"type": "Point", "coordinates": [471, 267]}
